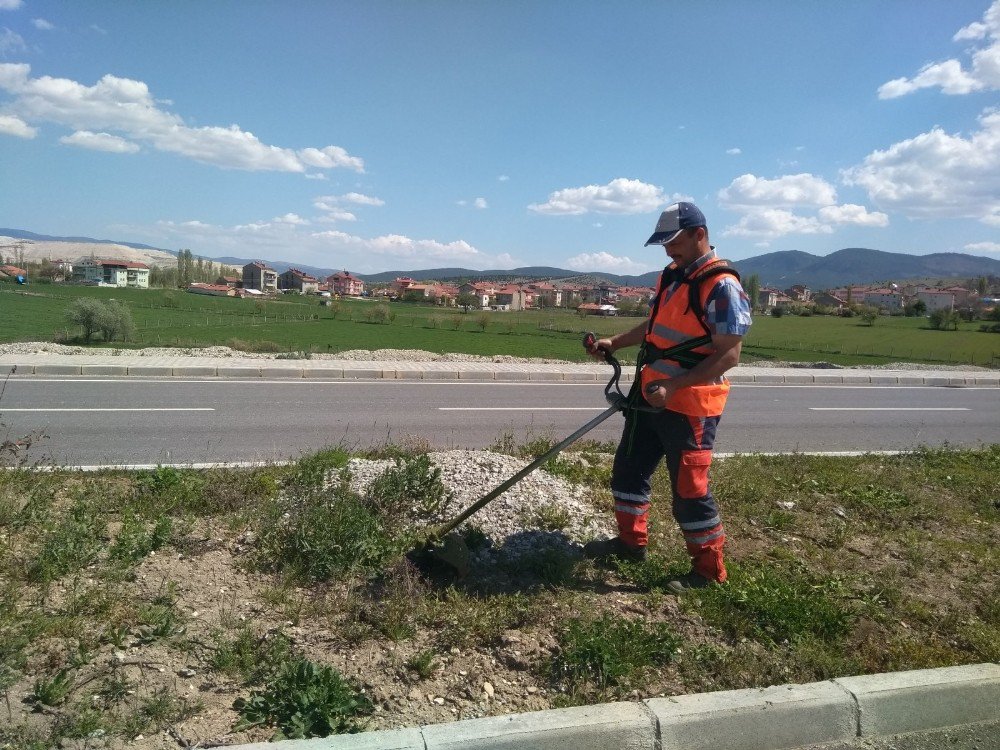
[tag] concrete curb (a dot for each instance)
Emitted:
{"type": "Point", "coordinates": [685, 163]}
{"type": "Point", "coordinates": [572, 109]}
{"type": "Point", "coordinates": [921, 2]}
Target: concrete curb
{"type": "Point", "coordinates": [228, 368]}
{"type": "Point", "coordinates": [774, 718]}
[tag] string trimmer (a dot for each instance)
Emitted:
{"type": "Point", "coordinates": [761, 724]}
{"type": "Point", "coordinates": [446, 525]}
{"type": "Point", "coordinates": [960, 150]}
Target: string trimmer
{"type": "Point", "coordinates": [441, 547]}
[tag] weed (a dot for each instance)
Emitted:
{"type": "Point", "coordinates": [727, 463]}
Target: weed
{"type": "Point", "coordinates": [304, 700]}
{"type": "Point", "coordinates": [551, 565]}
{"type": "Point", "coordinates": [412, 482]}
{"type": "Point", "coordinates": [160, 619]}
{"type": "Point", "coordinates": [322, 535]}
{"type": "Point", "coordinates": [135, 541]}
{"type": "Point", "coordinates": [162, 708]}
{"type": "Point", "coordinates": [462, 619]}
{"type": "Point", "coordinates": [169, 490]}
{"type": "Point", "coordinates": [53, 690]}
{"type": "Point", "coordinates": [252, 655]}
{"type": "Point", "coordinates": [114, 688]}
{"type": "Point", "coordinates": [70, 544]}
{"type": "Point", "coordinates": [313, 471]}
{"type": "Point", "coordinates": [548, 517]}
{"type": "Point", "coordinates": [610, 652]}
{"type": "Point", "coordinates": [423, 663]}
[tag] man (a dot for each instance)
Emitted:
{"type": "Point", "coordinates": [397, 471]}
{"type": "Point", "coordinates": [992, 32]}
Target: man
{"type": "Point", "coordinates": [694, 333]}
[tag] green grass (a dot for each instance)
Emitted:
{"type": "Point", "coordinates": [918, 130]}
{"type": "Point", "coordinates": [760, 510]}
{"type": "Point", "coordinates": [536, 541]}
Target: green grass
{"type": "Point", "coordinates": [609, 652]}
{"type": "Point", "coordinates": [298, 324]}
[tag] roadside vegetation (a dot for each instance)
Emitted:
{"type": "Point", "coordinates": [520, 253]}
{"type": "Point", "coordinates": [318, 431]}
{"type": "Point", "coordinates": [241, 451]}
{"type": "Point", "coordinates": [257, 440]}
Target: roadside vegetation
{"type": "Point", "coordinates": [242, 605]}
{"type": "Point", "coordinates": [300, 326]}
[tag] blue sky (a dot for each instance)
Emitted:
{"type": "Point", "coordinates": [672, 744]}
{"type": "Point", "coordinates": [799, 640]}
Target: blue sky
{"type": "Point", "coordinates": [398, 135]}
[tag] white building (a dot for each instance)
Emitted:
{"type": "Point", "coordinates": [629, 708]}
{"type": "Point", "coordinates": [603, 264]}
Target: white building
{"type": "Point", "coordinates": [111, 273]}
{"type": "Point", "coordinates": [936, 300]}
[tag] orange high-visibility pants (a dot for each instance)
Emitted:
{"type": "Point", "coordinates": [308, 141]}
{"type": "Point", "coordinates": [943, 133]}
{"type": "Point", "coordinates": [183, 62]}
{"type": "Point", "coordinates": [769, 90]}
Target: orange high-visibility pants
{"type": "Point", "coordinates": [686, 444]}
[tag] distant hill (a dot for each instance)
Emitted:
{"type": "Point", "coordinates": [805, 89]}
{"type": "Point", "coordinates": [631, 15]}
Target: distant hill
{"type": "Point", "coordinates": [858, 265]}
{"type": "Point", "coordinates": [20, 234]}
{"type": "Point", "coordinates": [853, 265]}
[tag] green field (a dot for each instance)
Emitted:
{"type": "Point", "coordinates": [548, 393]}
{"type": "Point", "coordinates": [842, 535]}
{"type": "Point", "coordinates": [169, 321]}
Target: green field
{"type": "Point", "coordinates": [295, 323]}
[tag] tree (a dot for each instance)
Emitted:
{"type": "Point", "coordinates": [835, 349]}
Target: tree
{"type": "Point", "coordinates": [86, 313]}
{"type": "Point", "coordinates": [467, 301]}
{"type": "Point", "coordinates": [753, 290]}
{"type": "Point", "coordinates": [869, 315]}
{"type": "Point", "coordinates": [115, 322]}
{"type": "Point", "coordinates": [982, 286]}
{"type": "Point", "coordinates": [942, 320]}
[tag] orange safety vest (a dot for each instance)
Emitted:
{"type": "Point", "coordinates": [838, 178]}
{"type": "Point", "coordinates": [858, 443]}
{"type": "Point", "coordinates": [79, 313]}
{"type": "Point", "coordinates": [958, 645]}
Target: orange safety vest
{"type": "Point", "coordinates": [678, 319]}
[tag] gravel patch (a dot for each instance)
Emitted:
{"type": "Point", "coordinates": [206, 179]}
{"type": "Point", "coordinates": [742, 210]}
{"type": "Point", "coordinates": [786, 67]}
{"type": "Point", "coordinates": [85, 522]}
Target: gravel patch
{"type": "Point", "coordinates": [510, 522]}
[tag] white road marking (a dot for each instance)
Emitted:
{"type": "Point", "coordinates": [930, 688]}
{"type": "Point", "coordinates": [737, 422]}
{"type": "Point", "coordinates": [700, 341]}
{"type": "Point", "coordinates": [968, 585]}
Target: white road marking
{"type": "Point", "coordinates": [889, 408]}
{"type": "Point", "coordinates": [61, 409]}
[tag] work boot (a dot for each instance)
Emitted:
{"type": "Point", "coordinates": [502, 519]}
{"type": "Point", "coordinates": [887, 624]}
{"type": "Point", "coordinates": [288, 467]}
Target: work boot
{"type": "Point", "coordinates": [688, 581]}
{"type": "Point", "coordinates": [603, 550]}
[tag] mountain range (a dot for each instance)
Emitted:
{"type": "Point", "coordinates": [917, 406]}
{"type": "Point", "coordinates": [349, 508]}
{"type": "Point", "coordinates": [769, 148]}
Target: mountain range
{"type": "Point", "coordinates": [782, 269]}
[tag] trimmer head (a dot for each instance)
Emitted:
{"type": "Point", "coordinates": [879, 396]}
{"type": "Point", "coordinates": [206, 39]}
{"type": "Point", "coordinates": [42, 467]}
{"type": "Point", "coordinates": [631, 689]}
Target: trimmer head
{"type": "Point", "coordinates": [445, 557]}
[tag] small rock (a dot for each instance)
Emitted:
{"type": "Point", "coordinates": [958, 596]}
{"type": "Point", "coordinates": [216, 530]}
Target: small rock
{"type": "Point", "coordinates": [415, 695]}
{"type": "Point", "coordinates": [532, 689]}
{"type": "Point", "coordinates": [119, 657]}
{"type": "Point", "coordinates": [785, 504]}
{"type": "Point", "coordinates": [838, 511]}
{"type": "Point", "coordinates": [488, 689]}
{"type": "Point", "coordinates": [186, 672]}
{"type": "Point", "coordinates": [439, 700]}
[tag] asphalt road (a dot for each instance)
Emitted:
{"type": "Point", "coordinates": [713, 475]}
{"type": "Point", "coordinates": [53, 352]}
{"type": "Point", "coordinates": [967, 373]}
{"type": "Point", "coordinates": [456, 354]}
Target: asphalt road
{"type": "Point", "coordinates": [90, 421]}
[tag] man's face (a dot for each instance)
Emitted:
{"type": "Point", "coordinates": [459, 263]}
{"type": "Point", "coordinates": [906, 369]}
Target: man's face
{"type": "Point", "coordinates": [685, 248]}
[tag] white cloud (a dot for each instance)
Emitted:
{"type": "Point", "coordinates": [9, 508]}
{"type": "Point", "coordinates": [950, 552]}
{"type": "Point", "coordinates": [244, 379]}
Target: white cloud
{"type": "Point", "coordinates": [41, 24]}
{"type": "Point", "coordinates": [984, 247]}
{"type": "Point", "coordinates": [11, 42]}
{"type": "Point", "coordinates": [951, 76]}
{"type": "Point", "coordinates": [609, 263]}
{"type": "Point", "coordinates": [126, 106]}
{"type": "Point", "coordinates": [788, 191]}
{"type": "Point", "coordinates": [11, 4]}
{"type": "Point", "coordinates": [850, 213]}
{"type": "Point", "coordinates": [770, 223]}
{"type": "Point", "coordinates": [734, 151]}
{"type": "Point", "coordinates": [936, 174]}
{"type": "Point", "coordinates": [293, 219]}
{"type": "Point", "coordinates": [503, 178]}
{"type": "Point", "coordinates": [98, 29]}
{"type": "Point", "coordinates": [330, 248]}
{"type": "Point", "coordinates": [16, 127]}
{"type": "Point", "coordinates": [480, 203]}
{"type": "Point", "coordinates": [620, 196]}
{"type": "Point", "coordinates": [334, 214]}
{"type": "Point", "coordinates": [361, 199]}
{"type": "Point", "coordinates": [100, 142]}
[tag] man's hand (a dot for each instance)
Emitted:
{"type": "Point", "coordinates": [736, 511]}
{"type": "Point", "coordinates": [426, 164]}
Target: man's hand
{"type": "Point", "coordinates": [598, 349]}
{"type": "Point", "coordinates": [659, 392]}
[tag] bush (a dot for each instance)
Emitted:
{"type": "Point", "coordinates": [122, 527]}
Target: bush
{"type": "Point", "coordinates": [304, 700]}
{"type": "Point", "coordinates": [777, 312]}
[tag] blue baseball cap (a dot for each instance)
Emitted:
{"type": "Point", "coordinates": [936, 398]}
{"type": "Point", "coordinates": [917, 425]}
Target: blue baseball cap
{"type": "Point", "coordinates": [675, 218]}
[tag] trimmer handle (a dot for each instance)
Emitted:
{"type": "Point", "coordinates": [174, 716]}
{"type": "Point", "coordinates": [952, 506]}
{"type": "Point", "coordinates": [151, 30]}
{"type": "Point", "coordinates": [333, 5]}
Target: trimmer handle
{"type": "Point", "coordinates": [589, 339]}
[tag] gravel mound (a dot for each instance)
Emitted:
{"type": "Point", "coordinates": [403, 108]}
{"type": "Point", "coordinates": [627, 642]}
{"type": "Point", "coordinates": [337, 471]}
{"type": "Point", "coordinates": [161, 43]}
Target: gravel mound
{"type": "Point", "coordinates": [510, 522]}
